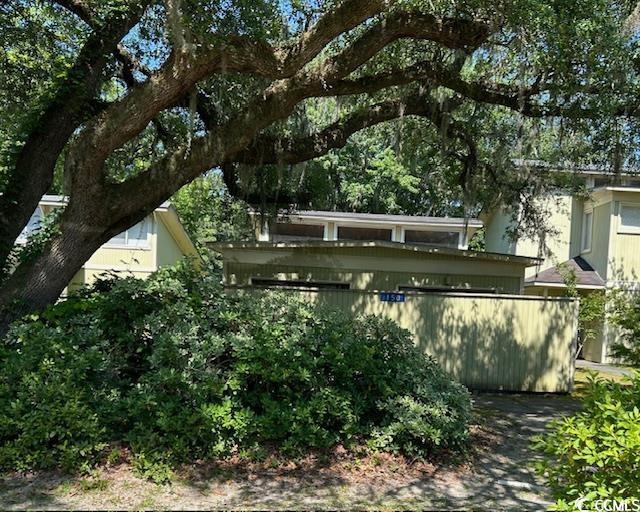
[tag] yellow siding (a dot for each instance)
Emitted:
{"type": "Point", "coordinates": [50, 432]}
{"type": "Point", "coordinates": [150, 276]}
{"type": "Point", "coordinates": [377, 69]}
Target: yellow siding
{"type": "Point", "coordinates": [168, 250]}
{"type": "Point", "coordinates": [124, 259]}
{"type": "Point", "coordinates": [371, 267]}
{"type": "Point", "coordinates": [598, 256]}
{"type": "Point", "coordinates": [563, 218]}
{"type": "Point", "coordinates": [624, 256]}
{"type": "Point", "coordinates": [240, 274]}
{"type": "Point", "coordinates": [490, 343]}
{"type": "Point", "coordinates": [88, 277]}
{"type": "Point", "coordinates": [559, 210]}
{"type": "Point", "coordinates": [495, 233]}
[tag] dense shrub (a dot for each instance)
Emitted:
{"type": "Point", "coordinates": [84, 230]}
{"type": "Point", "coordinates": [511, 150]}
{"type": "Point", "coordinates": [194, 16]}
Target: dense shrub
{"type": "Point", "coordinates": [177, 370]}
{"type": "Point", "coordinates": [595, 453]}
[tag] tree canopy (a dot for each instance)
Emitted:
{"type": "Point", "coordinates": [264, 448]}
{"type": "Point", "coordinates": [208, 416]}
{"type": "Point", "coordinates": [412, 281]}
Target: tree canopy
{"type": "Point", "coordinates": [120, 103]}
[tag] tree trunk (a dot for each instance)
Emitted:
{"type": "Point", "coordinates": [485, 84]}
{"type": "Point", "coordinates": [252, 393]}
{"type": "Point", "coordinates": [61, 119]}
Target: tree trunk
{"type": "Point", "coordinates": [39, 281]}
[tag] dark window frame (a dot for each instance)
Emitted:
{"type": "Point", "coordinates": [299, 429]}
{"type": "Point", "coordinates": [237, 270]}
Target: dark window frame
{"type": "Point", "coordinates": [267, 282]}
{"type": "Point", "coordinates": [363, 228]}
{"type": "Point", "coordinates": [445, 289]}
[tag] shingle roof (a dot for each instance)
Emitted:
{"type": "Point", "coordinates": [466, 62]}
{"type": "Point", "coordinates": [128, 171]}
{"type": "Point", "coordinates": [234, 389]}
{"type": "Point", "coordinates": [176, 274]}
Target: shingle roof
{"type": "Point", "coordinates": [586, 275]}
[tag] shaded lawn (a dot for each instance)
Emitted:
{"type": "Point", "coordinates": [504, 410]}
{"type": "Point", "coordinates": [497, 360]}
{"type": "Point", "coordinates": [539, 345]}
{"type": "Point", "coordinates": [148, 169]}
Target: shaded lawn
{"type": "Point", "coordinates": [581, 380]}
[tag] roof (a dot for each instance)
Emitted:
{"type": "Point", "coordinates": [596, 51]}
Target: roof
{"type": "Point", "coordinates": [586, 275]}
{"type": "Point", "coordinates": [587, 169]}
{"type": "Point", "coordinates": [376, 218]}
{"type": "Point", "coordinates": [56, 200]}
{"type": "Point", "coordinates": [420, 249]}
{"type": "Point", "coordinates": [169, 217]}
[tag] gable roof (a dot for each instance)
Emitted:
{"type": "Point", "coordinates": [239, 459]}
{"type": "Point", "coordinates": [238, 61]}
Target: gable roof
{"type": "Point", "coordinates": [421, 249]}
{"type": "Point", "coordinates": [586, 275]}
{"type": "Point", "coordinates": [167, 214]}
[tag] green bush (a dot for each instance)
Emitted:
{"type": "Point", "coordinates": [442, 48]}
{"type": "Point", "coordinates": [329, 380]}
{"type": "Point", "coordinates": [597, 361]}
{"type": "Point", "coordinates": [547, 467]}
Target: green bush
{"type": "Point", "coordinates": [595, 453]}
{"type": "Point", "coordinates": [177, 370]}
{"type": "Point", "coordinates": [625, 313]}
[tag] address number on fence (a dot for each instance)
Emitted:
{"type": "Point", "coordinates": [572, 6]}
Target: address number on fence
{"type": "Point", "coordinates": [392, 297]}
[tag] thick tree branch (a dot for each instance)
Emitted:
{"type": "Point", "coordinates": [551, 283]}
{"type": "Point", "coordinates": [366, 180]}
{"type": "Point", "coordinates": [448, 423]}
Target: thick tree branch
{"type": "Point", "coordinates": [79, 8]}
{"type": "Point", "coordinates": [267, 150]}
{"type": "Point", "coordinates": [32, 173]}
{"type": "Point", "coordinates": [179, 75]}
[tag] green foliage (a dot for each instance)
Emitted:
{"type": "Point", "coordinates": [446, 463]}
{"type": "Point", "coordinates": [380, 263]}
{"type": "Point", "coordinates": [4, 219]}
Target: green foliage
{"type": "Point", "coordinates": [592, 307]}
{"type": "Point", "coordinates": [594, 454]}
{"type": "Point", "coordinates": [626, 315]}
{"type": "Point", "coordinates": [177, 370]}
{"type": "Point", "coordinates": [209, 213]}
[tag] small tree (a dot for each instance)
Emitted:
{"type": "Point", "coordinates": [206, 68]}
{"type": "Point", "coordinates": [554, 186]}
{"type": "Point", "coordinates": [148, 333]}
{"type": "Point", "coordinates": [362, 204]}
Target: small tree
{"type": "Point", "coordinates": [592, 308]}
{"type": "Point", "coordinates": [626, 315]}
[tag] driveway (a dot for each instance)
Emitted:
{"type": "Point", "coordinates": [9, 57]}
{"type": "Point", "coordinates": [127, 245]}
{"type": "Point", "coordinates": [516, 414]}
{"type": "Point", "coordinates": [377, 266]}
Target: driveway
{"type": "Point", "coordinates": [496, 475]}
{"type": "Point", "coordinates": [603, 368]}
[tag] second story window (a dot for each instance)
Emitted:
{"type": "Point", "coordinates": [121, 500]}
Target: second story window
{"type": "Point", "coordinates": [136, 237]}
{"type": "Point", "coordinates": [587, 230]}
{"type": "Point", "coordinates": [629, 219]}
{"type": "Point", "coordinates": [363, 233]}
{"type": "Point", "coordinates": [446, 238]}
{"type": "Point", "coordinates": [285, 231]}
{"type": "Point", "coordinates": [32, 226]}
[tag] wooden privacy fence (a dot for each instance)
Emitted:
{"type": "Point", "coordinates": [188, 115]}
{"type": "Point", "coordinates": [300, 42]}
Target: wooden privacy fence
{"type": "Point", "coordinates": [486, 341]}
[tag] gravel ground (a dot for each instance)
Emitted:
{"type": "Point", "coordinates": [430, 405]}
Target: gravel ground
{"type": "Point", "coordinates": [496, 475]}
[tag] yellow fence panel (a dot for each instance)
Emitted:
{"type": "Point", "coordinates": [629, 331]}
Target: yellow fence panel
{"type": "Point", "coordinates": [487, 342]}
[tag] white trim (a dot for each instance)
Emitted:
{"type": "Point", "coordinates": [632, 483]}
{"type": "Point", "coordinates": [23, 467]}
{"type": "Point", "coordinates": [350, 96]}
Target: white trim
{"type": "Point", "coordinates": [368, 218]}
{"type": "Point", "coordinates": [583, 246]}
{"type": "Point", "coordinates": [121, 247]}
{"type": "Point", "coordinates": [423, 224]}
{"type": "Point", "coordinates": [154, 238]}
{"type": "Point", "coordinates": [542, 284]}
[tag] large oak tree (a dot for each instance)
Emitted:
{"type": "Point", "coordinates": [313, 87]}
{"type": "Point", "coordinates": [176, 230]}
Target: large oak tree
{"type": "Point", "coordinates": [124, 102]}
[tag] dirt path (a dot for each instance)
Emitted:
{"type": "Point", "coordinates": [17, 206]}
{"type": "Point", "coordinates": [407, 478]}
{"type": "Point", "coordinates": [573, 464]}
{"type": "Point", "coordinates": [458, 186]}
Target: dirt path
{"type": "Point", "coordinates": [498, 475]}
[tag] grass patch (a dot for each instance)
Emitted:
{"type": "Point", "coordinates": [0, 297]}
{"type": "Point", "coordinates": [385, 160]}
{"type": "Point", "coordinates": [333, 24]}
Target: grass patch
{"type": "Point", "coordinates": [581, 380]}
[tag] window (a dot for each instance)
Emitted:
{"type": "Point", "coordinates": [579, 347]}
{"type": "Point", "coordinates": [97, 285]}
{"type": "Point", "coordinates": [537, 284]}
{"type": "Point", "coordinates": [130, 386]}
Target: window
{"type": "Point", "coordinates": [135, 237]}
{"type": "Point", "coordinates": [602, 182]}
{"type": "Point", "coordinates": [587, 229]}
{"type": "Point", "coordinates": [296, 283]}
{"type": "Point", "coordinates": [32, 226]}
{"type": "Point", "coordinates": [629, 219]}
{"type": "Point", "coordinates": [446, 238]}
{"type": "Point", "coordinates": [352, 233]}
{"type": "Point", "coordinates": [283, 231]}
{"type": "Point", "coordinates": [445, 289]}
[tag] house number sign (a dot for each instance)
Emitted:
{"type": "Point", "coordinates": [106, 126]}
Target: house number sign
{"type": "Point", "coordinates": [392, 297]}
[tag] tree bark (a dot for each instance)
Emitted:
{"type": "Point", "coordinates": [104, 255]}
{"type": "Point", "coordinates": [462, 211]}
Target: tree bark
{"type": "Point", "coordinates": [39, 281]}
{"type": "Point", "coordinates": [32, 174]}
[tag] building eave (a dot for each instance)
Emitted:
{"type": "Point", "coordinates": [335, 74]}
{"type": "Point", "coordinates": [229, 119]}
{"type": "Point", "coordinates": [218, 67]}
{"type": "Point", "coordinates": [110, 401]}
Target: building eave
{"type": "Point", "coordinates": [542, 284]}
{"type": "Point", "coordinates": [423, 249]}
{"type": "Point", "coordinates": [381, 219]}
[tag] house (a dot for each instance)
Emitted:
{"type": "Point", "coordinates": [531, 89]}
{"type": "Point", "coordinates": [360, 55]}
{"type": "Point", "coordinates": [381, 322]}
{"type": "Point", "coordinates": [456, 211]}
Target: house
{"type": "Point", "coordinates": [597, 236]}
{"type": "Point", "coordinates": [465, 308]}
{"type": "Point", "coordinates": [159, 240]}
{"type": "Point", "coordinates": [339, 250]}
